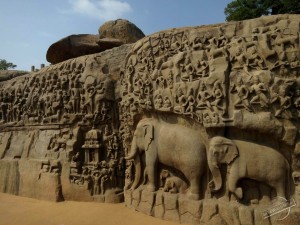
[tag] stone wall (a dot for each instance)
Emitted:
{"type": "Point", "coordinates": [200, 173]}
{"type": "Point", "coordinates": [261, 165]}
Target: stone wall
{"type": "Point", "coordinates": [195, 125]}
{"type": "Point", "coordinates": [211, 115]}
{"type": "Point", "coordinates": [51, 119]}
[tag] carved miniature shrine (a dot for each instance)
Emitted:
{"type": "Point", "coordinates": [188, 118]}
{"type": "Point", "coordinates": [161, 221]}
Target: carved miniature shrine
{"type": "Point", "coordinates": [197, 125]}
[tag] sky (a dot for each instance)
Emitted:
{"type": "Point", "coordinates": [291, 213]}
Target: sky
{"type": "Point", "coordinates": [29, 27]}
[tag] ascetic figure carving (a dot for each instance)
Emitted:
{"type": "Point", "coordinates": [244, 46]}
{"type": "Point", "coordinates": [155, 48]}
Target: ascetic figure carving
{"type": "Point", "coordinates": [173, 145]}
{"type": "Point", "coordinates": [246, 160]}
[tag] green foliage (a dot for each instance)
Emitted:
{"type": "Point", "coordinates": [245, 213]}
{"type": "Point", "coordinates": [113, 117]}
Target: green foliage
{"type": "Point", "coordinates": [4, 65]}
{"type": "Point", "coordinates": [248, 9]}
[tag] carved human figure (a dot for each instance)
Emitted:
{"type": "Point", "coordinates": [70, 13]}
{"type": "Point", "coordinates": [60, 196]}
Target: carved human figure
{"type": "Point", "coordinates": [284, 100]}
{"type": "Point", "coordinates": [190, 103]}
{"type": "Point", "coordinates": [104, 179]}
{"type": "Point", "coordinates": [242, 94]}
{"type": "Point", "coordinates": [297, 101]}
{"type": "Point", "coordinates": [167, 105]}
{"type": "Point", "coordinates": [239, 59]}
{"type": "Point", "coordinates": [181, 100]}
{"type": "Point", "coordinates": [254, 60]}
{"type": "Point", "coordinates": [219, 95]}
{"type": "Point", "coordinates": [203, 97]}
{"type": "Point", "coordinates": [96, 180]}
{"type": "Point", "coordinates": [158, 103]}
{"type": "Point", "coordinates": [259, 90]}
{"type": "Point", "coordinates": [76, 95]}
{"type": "Point", "coordinates": [202, 68]}
{"type": "Point", "coordinates": [100, 91]}
{"type": "Point", "coordinates": [89, 103]}
{"type": "Point", "coordinates": [188, 70]}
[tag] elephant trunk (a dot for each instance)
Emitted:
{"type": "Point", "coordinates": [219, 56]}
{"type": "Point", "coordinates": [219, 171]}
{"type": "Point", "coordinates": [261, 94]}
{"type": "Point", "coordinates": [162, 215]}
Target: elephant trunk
{"type": "Point", "coordinates": [138, 171]}
{"type": "Point", "coordinates": [217, 177]}
{"type": "Point", "coordinates": [137, 163]}
{"type": "Point", "coordinates": [133, 150]}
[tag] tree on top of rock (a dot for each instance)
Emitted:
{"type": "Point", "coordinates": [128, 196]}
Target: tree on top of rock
{"type": "Point", "coordinates": [4, 65]}
{"type": "Point", "coordinates": [249, 9]}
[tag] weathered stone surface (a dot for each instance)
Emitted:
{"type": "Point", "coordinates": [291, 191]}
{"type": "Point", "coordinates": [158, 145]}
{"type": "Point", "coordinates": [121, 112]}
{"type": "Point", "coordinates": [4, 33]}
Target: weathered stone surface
{"type": "Point", "coordinates": [10, 74]}
{"type": "Point", "coordinates": [259, 218]}
{"type": "Point", "coordinates": [229, 212]}
{"type": "Point", "coordinates": [122, 30]}
{"type": "Point", "coordinates": [136, 198]}
{"type": "Point", "coordinates": [147, 202]}
{"type": "Point", "coordinates": [210, 209]}
{"type": "Point", "coordinates": [170, 201]}
{"type": "Point", "coordinates": [246, 215]}
{"type": "Point", "coordinates": [190, 211]}
{"type": "Point", "coordinates": [171, 215]}
{"type": "Point", "coordinates": [159, 209]}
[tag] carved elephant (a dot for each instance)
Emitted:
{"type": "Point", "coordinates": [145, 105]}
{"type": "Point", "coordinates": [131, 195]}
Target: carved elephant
{"type": "Point", "coordinates": [174, 185]}
{"type": "Point", "coordinates": [173, 145]}
{"type": "Point", "coordinates": [246, 160]}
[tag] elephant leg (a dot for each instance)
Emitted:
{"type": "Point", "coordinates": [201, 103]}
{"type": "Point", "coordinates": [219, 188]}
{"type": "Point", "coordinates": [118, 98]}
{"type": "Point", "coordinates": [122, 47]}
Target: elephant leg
{"type": "Point", "coordinates": [151, 168]}
{"type": "Point", "coordinates": [194, 190]}
{"type": "Point", "coordinates": [232, 185]}
{"type": "Point", "coordinates": [280, 189]}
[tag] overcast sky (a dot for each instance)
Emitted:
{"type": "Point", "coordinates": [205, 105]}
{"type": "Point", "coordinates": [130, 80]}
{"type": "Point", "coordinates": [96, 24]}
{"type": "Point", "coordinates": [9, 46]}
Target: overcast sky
{"type": "Point", "coordinates": [29, 27]}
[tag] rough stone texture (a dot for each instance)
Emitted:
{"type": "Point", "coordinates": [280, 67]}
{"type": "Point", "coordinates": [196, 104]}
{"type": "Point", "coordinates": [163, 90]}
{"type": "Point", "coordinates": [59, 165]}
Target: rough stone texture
{"type": "Point", "coordinates": [122, 30]}
{"type": "Point", "coordinates": [246, 215]}
{"type": "Point", "coordinates": [159, 209]}
{"type": "Point", "coordinates": [190, 211]}
{"type": "Point", "coordinates": [10, 74]}
{"type": "Point", "coordinates": [147, 202]}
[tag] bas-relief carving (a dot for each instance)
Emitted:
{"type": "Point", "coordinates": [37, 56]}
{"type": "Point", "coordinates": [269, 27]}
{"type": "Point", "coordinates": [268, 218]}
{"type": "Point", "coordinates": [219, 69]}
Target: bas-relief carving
{"type": "Point", "coordinates": [206, 118]}
{"type": "Point", "coordinates": [71, 112]}
{"type": "Point", "coordinates": [221, 88]}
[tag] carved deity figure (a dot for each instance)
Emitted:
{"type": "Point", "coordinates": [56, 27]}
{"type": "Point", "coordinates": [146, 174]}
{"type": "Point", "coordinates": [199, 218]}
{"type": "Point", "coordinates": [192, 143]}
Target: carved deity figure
{"type": "Point", "coordinates": [259, 90]}
{"type": "Point", "coordinates": [284, 100]}
{"type": "Point", "coordinates": [218, 94]}
{"type": "Point", "coordinates": [203, 97]}
{"type": "Point", "coordinates": [242, 94]}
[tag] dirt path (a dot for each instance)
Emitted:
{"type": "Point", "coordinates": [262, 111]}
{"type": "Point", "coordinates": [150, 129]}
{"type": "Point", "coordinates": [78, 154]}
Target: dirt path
{"type": "Point", "coordinates": [15, 210]}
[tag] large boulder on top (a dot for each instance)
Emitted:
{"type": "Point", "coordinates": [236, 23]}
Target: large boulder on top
{"type": "Point", "coordinates": [112, 34]}
{"type": "Point", "coordinates": [78, 45]}
{"type": "Point", "coordinates": [122, 30]}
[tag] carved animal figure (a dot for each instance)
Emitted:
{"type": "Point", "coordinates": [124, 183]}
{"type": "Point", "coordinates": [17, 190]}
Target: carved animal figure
{"type": "Point", "coordinates": [173, 145]}
{"type": "Point", "coordinates": [246, 160]}
{"type": "Point", "coordinates": [174, 185]}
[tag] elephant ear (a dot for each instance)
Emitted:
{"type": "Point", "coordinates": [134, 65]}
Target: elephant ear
{"type": "Point", "coordinates": [148, 135]}
{"type": "Point", "coordinates": [231, 152]}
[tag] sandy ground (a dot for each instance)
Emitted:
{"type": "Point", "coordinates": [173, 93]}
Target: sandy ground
{"type": "Point", "coordinates": [15, 210]}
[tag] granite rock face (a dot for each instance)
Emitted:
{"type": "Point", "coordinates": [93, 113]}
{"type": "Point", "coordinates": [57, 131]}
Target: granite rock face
{"type": "Point", "coordinates": [78, 45]}
{"type": "Point", "coordinates": [10, 74]}
{"type": "Point", "coordinates": [112, 34]}
{"type": "Point", "coordinates": [215, 115]}
{"type": "Point", "coordinates": [122, 30]}
{"type": "Point", "coordinates": [59, 131]}
{"type": "Point", "coordinates": [196, 125]}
